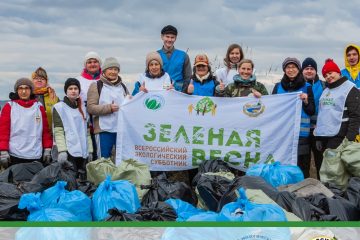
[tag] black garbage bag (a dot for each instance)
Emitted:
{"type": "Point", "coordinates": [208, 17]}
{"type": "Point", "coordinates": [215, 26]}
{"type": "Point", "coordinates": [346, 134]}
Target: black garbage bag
{"type": "Point", "coordinates": [353, 191]}
{"type": "Point", "coordinates": [9, 199]}
{"type": "Point", "coordinates": [343, 209]}
{"type": "Point", "coordinates": [49, 175]}
{"type": "Point", "coordinates": [157, 211]}
{"type": "Point", "coordinates": [162, 189]}
{"type": "Point", "coordinates": [29, 187]}
{"type": "Point", "coordinates": [285, 200]}
{"type": "Point", "coordinates": [335, 189]}
{"type": "Point", "coordinates": [22, 172]}
{"type": "Point", "coordinates": [211, 166]}
{"type": "Point", "coordinates": [303, 208]}
{"type": "Point", "coordinates": [86, 187]}
{"type": "Point", "coordinates": [247, 182]}
{"type": "Point", "coordinates": [211, 188]}
{"type": "Point", "coordinates": [122, 216]}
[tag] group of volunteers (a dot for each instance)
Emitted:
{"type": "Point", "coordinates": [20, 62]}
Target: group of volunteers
{"type": "Point", "coordinates": [83, 126]}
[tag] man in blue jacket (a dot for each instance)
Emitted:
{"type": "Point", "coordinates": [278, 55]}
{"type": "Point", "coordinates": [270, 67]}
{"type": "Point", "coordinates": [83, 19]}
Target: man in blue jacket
{"type": "Point", "coordinates": [176, 62]}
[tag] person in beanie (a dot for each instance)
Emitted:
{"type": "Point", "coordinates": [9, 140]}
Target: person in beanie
{"type": "Point", "coordinates": [71, 130]}
{"type": "Point", "coordinates": [44, 93]}
{"type": "Point", "coordinates": [244, 83]}
{"type": "Point", "coordinates": [104, 99]}
{"type": "Point", "coordinates": [24, 130]}
{"type": "Point", "coordinates": [339, 109]}
{"type": "Point", "coordinates": [176, 62]}
{"type": "Point", "coordinates": [154, 78]}
{"type": "Point", "coordinates": [352, 64]}
{"type": "Point", "coordinates": [203, 82]}
{"type": "Point", "coordinates": [234, 55]}
{"type": "Point", "coordinates": [293, 81]}
{"type": "Point", "coordinates": [309, 71]}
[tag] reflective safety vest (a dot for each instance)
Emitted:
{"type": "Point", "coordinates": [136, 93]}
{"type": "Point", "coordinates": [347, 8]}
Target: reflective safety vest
{"type": "Point", "coordinates": [331, 110]}
{"type": "Point", "coordinates": [305, 118]}
{"type": "Point", "coordinates": [110, 94]}
{"type": "Point", "coordinates": [26, 131]}
{"type": "Point", "coordinates": [161, 83]}
{"type": "Point", "coordinates": [174, 65]}
{"type": "Point", "coordinates": [75, 130]}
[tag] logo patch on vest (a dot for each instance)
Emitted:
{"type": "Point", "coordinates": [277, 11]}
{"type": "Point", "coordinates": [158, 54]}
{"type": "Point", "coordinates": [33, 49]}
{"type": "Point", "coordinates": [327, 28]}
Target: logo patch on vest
{"type": "Point", "coordinates": [154, 102]}
{"type": "Point", "coordinates": [254, 108]}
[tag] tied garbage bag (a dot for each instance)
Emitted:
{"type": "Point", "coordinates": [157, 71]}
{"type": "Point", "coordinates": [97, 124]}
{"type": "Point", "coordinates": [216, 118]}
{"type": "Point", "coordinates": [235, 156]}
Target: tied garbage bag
{"type": "Point", "coordinates": [351, 157]}
{"type": "Point", "coordinates": [38, 213]}
{"type": "Point", "coordinates": [211, 187]}
{"type": "Point", "coordinates": [22, 172]}
{"type": "Point", "coordinates": [210, 166]}
{"type": "Point", "coordinates": [277, 174]}
{"type": "Point", "coordinates": [162, 189]}
{"type": "Point", "coordinates": [135, 172]}
{"type": "Point", "coordinates": [56, 171]}
{"type": "Point", "coordinates": [75, 201]}
{"type": "Point", "coordinates": [184, 210]}
{"type": "Point", "coordinates": [244, 210]}
{"type": "Point", "coordinates": [117, 215]}
{"type": "Point", "coordinates": [157, 211]}
{"type": "Point", "coordinates": [99, 169]}
{"type": "Point", "coordinates": [119, 194]}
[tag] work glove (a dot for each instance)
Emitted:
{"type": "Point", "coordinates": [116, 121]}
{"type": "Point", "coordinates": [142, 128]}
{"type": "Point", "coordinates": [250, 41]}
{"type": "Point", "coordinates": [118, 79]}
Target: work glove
{"type": "Point", "coordinates": [319, 146]}
{"type": "Point", "coordinates": [4, 159]}
{"type": "Point", "coordinates": [90, 157]}
{"type": "Point", "coordinates": [62, 157]}
{"type": "Point", "coordinates": [47, 156]}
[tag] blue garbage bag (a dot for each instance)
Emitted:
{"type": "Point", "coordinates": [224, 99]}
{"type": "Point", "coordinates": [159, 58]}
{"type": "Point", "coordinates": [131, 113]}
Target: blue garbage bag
{"type": "Point", "coordinates": [183, 209]}
{"type": "Point", "coordinates": [277, 174]}
{"type": "Point", "coordinates": [38, 213]}
{"type": "Point", "coordinates": [119, 194]}
{"type": "Point", "coordinates": [243, 210]}
{"type": "Point", "coordinates": [75, 201]}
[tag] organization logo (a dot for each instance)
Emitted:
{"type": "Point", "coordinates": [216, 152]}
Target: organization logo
{"type": "Point", "coordinates": [254, 108]}
{"type": "Point", "coordinates": [203, 106]}
{"type": "Point", "coordinates": [154, 102]}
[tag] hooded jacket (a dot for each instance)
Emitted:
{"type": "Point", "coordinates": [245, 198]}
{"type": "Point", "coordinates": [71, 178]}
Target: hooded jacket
{"type": "Point", "coordinates": [352, 73]}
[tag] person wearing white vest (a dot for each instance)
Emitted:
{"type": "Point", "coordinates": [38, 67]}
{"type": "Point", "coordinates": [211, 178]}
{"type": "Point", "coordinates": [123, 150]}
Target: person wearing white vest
{"type": "Point", "coordinates": [234, 55]}
{"type": "Point", "coordinates": [71, 130]}
{"type": "Point", "coordinates": [104, 100]}
{"type": "Point", "coordinates": [154, 78]}
{"type": "Point", "coordinates": [339, 109]}
{"type": "Point", "coordinates": [24, 130]}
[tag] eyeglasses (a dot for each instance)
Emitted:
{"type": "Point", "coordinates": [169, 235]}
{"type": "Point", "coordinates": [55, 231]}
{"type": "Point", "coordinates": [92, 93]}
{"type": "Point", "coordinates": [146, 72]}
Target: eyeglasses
{"type": "Point", "coordinates": [290, 67]}
{"type": "Point", "coordinates": [40, 79]}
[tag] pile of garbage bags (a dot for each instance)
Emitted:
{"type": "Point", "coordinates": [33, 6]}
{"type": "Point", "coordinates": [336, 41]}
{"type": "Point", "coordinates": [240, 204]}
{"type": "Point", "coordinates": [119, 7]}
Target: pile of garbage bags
{"type": "Point", "coordinates": [268, 192]}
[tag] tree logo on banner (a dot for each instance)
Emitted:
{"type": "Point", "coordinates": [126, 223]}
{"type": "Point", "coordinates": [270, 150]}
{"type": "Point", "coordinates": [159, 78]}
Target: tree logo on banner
{"type": "Point", "coordinates": [254, 108]}
{"type": "Point", "coordinates": [154, 102]}
{"type": "Point", "coordinates": [203, 106]}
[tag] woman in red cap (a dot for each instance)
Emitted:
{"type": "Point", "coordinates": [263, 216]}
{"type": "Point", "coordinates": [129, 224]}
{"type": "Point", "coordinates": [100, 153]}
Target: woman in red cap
{"type": "Point", "coordinates": [339, 109]}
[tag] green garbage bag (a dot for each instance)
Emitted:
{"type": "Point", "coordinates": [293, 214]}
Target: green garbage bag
{"type": "Point", "coordinates": [136, 172]}
{"type": "Point", "coordinates": [99, 169]}
{"type": "Point", "coordinates": [333, 168]}
{"type": "Point", "coordinates": [351, 157]}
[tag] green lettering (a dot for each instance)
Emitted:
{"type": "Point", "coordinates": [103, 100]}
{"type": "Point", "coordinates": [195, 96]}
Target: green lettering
{"type": "Point", "coordinates": [198, 134]}
{"type": "Point", "coordinates": [234, 139]}
{"type": "Point", "coordinates": [215, 154]}
{"type": "Point", "coordinates": [253, 136]}
{"type": "Point", "coordinates": [164, 131]}
{"type": "Point", "coordinates": [229, 155]}
{"type": "Point", "coordinates": [249, 159]}
{"type": "Point", "coordinates": [198, 156]}
{"type": "Point", "coordinates": [152, 134]}
{"type": "Point", "coordinates": [182, 132]}
{"type": "Point", "coordinates": [219, 136]}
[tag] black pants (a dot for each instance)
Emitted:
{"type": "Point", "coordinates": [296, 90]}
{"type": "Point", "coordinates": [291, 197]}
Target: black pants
{"type": "Point", "coordinates": [318, 155]}
{"type": "Point", "coordinates": [304, 156]}
{"type": "Point", "coordinates": [16, 160]}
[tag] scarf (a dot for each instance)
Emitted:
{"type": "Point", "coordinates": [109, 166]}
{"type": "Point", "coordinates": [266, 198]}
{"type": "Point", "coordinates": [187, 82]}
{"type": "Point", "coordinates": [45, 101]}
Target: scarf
{"type": "Point", "coordinates": [201, 79]}
{"type": "Point", "coordinates": [46, 90]}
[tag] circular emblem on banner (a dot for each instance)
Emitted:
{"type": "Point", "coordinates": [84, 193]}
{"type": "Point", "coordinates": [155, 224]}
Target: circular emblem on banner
{"type": "Point", "coordinates": [154, 102]}
{"type": "Point", "coordinates": [254, 108]}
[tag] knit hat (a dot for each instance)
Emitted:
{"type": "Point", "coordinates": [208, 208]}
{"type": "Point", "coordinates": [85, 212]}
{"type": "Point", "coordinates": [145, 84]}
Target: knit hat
{"type": "Point", "coordinates": [110, 62]}
{"type": "Point", "coordinates": [289, 60]}
{"type": "Point", "coordinates": [309, 62]}
{"type": "Point", "coordinates": [23, 81]}
{"type": "Point", "coordinates": [153, 56]}
{"type": "Point", "coordinates": [39, 72]}
{"type": "Point", "coordinates": [330, 66]}
{"type": "Point", "coordinates": [71, 81]}
{"type": "Point", "coordinates": [169, 30]}
{"type": "Point", "coordinates": [201, 59]}
{"type": "Point", "coordinates": [93, 55]}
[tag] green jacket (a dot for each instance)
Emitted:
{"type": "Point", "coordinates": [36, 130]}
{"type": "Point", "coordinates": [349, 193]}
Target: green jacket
{"type": "Point", "coordinates": [237, 89]}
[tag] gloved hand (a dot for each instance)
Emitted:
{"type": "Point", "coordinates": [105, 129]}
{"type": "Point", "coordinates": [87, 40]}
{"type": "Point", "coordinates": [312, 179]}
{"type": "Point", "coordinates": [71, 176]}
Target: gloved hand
{"type": "Point", "coordinates": [47, 156]}
{"type": "Point", "coordinates": [62, 157]}
{"type": "Point", "coordinates": [4, 159]}
{"type": "Point", "coordinates": [90, 157]}
{"type": "Point", "coordinates": [319, 145]}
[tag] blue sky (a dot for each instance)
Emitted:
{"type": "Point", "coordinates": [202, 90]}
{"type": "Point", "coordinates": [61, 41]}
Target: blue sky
{"type": "Point", "coordinates": [57, 34]}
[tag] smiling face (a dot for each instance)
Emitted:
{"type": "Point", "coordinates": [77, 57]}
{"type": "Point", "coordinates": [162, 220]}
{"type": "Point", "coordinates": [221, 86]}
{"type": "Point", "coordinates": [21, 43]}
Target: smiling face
{"type": "Point", "coordinates": [201, 70]}
{"type": "Point", "coordinates": [111, 73]}
{"type": "Point", "coordinates": [24, 92]}
{"type": "Point", "coordinates": [245, 70]}
{"type": "Point", "coordinates": [352, 57]}
{"type": "Point", "coordinates": [332, 77]}
{"type": "Point", "coordinates": [92, 66]}
{"type": "Point", "coordinates": [154, 68]}
{"type": "Point", "coordinates": [291, 71]}
{"type": "Point", "coordinates": [169, 40]}
{"type": "Point", "coordinates": [72, 92]}
{"type": "Point", "coordinates": [309, 73]}
{"type": "Point", "coordinates": [39, 82]}
{"type": "Point", "coordinates": [235, 55]}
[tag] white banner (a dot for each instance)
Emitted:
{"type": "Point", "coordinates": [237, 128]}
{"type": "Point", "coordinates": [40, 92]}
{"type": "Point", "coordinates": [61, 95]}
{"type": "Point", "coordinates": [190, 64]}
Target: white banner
{"type": "Point", "coordinates": [172, 131]}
